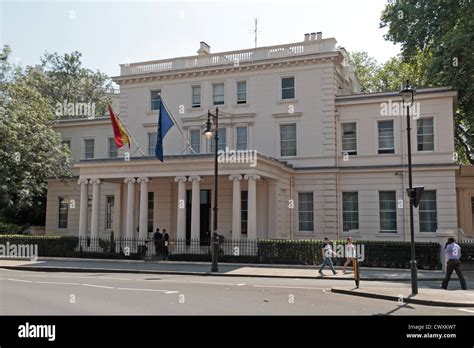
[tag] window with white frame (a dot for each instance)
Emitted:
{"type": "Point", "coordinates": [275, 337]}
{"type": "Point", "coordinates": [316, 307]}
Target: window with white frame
{"type": "Point", "coordinates": [388, 211]}
{"type": "Point", "coordinates": [428, 212]}
{"type": "Point", "coordinates": [349, 138]}
{"type": "Point", "coordinates": [195, 140]}
{"type": "Point", "coordinates": [288, 139]}
{"type": "Point", "coordinates": [155, 97]}
{"type": "Point", "coordinates": [386, 138]}
{"type": "Point", "coordinates": [241, 92]}
{"type": "Point", "coordinates": [196, 96]}
{"type": "Point", "coordinates": [241, 142]}
{"type": "Point", "coordinates": [218, 93]}
{"type": "Point", "coordinates": [112, 148]}
{"type": "Point", "coordinates": [222, 141]}
{"type": "Point", "coordinates": [350, 211]}
{"type": "Point", "coordinates": [89, 148]}
{"type": "Point", "coordinates": [288, 87]}
{"type": "Point", "coordinates": [63, 212]}
{"type": "Point", "coordinates": [305, 211]}
{"type": "Point", "coordinates": [425, 134]}
{"type": "Point", "coordinates": [151, 143]}
{"type": "Point", "coordinates": [109, 212]}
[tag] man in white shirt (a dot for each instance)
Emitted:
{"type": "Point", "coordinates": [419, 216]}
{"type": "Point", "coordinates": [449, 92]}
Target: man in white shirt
{"type": "Point", "coordinates": [327, 253]}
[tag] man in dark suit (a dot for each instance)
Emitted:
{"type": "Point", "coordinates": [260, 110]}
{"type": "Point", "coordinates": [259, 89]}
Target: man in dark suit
{"type": "Point", "coordinates": [166, 239]}
{"type": "Point", "coordinates": [157, 240]}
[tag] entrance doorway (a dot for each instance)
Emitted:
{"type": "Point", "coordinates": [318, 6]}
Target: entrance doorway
{"type": "Point", "coordinates": [205, 215]}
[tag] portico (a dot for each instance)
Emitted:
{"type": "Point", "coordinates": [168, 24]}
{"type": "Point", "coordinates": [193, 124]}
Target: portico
{"type": "Point", "coordinates": [174, 195]}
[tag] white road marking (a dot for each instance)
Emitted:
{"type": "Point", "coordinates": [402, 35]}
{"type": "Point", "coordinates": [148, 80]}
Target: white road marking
{"type": "Point", "coordinates": [196, 282]}
{"type": "Point", "coordinates": [59, 283]}
{"type": "Point", "coordinates": [171, 292]}
{"type": "Point", "coordinates": [287, 287]}
{"type": "Point", "coordinates": [98, 286]}
{"type": "Point", "coordinates": [466, 310]}
{"type": "Point", "coordinates": [154, 290]}
{"type": "Point", "coordinates": [20, 280]}
{"type": "Point", "coordinates": [241, 284]}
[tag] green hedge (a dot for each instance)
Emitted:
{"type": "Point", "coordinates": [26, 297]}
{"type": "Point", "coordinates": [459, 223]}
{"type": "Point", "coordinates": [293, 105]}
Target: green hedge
{"type": "Point", "coordinates": [10, 229]}
{"type": "Point", "coordinates": [467, 252]}
{"type": "Point", "coordinates": [384, 254]}
{"type": "Point", "coordinates": [53, 246]}
{"type": "Point", "coordinates": [298, 252]}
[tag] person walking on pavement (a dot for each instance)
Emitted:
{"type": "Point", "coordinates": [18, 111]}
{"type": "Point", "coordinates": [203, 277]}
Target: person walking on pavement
{"type": "Point", "coordinates": [166, 238]}
{"type": "Point", "coordinates": [453, 254]}
{"type": "Point", "coordinates": [350, 254]}
{"type": "Point", "coordinates": [327, 253]}
{"type": "Point", "coordinates": [157, 239]}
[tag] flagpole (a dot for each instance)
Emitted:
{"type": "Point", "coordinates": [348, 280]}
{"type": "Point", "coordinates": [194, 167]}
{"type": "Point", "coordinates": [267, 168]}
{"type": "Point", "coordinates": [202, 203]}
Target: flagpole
{"type": "Point", "coordinates": [130, 135]}
{"type": "Point", "coordinates": [177, 125]}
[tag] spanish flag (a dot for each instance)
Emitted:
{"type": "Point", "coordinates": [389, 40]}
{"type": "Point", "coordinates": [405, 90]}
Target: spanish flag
{"type": "Point", "coordinates": [120, 134]}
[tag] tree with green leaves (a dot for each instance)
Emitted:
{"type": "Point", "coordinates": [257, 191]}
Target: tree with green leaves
{"type": "Point", "coordinates": [30, 150]}
{"type": "Point", "coordinates": [388, 76]}
{"type": "Point", "coordinates": [61, 79]}
{"type": "Point", "coordinates": [443, 33]}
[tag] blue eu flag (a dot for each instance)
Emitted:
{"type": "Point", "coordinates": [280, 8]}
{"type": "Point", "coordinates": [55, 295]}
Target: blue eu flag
{"type": "Point", "coordinates": [164, 125]}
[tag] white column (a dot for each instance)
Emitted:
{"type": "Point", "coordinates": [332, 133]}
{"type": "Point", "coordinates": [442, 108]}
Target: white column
{"type": "Point", "coordinates": [236, 207]}
{"type": "Point", "coordinates": [143, 223]}
{"type": "Point", "coordinates": [195, 207]}
{"type": "Point", "coordinates": [95, 208]}
{"type": "Point", "coordinates": [83, 208]}
{"type": "Point", "coordinates": [252, 206]}
{"type": "Point", "coordinates": [130, 207]}
{"type": "Point", "coordinates": [181, 211]}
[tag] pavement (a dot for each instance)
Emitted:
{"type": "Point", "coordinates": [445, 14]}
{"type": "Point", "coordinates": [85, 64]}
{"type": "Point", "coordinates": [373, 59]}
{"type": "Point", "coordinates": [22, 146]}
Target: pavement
{"type": "Point", "coordinates": [402, 293]}
{"type": "Point", "coordinates": [203, 268]}
{"type": "Point", "coordinates": [427, 297]}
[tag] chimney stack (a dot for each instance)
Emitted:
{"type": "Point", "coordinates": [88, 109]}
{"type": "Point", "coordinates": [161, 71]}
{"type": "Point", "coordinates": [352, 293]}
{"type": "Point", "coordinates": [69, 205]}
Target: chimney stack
{"type": "Point", "coordinates": [319, 35]}
{"type": "Point", "coordinates": [313, 36]}
{"type": "Point", "coordinates": [306, 37]}
{"type": "Point", "coordinates": [204, 49]}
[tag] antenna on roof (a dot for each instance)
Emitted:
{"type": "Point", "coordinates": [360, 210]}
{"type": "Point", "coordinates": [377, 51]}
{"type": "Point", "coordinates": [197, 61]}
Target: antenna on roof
{"type": "Point", "coordinates": [255, 31]}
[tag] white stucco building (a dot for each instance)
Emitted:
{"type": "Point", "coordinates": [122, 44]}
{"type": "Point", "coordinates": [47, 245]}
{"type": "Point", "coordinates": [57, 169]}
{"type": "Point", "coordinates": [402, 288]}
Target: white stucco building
{"type": "Point", "coordinates": [331, 161]}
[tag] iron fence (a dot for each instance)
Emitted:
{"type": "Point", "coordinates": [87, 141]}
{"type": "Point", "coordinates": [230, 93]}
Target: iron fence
{"type": "Point", "coordinates": [302, 252]}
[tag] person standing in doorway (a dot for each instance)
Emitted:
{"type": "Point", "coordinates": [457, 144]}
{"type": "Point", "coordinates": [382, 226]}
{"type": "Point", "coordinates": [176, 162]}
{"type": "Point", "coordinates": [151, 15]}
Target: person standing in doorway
{"type": "Point", "coordinates": [453, 255]}
{"type": "Point", "coordinates": [327, 253]}
{"type": "Point", "coordinates": [350, 254]}
{"type": "Point", "coordinates": [157, 239]}
{"type": "Point", "coordinates": [166, 239]}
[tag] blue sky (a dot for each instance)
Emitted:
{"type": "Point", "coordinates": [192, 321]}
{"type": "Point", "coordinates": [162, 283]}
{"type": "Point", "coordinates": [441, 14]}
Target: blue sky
{"type": "Point", "coordinates": [108, 33]}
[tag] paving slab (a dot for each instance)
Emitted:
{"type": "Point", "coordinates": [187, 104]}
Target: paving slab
{"type": "Point", "coordinates": [402, 295]}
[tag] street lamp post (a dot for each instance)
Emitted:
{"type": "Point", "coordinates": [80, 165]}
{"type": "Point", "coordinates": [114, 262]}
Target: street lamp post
{"type": "Point", "coordinates": [407, 94]}
{"type": "Point", "coordinates": [208, 133]}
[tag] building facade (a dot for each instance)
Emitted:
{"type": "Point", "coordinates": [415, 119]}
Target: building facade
{"type": "Point", "coordinates": [319, 158]}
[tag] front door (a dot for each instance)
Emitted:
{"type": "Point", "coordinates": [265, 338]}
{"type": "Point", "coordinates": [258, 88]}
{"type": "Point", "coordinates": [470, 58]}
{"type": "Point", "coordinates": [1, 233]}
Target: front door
{"type": "Point", "coordinates": [205, 215]}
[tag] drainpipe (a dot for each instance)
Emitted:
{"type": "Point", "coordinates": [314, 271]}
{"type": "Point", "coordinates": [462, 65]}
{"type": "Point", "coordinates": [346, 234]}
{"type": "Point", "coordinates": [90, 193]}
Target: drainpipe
{"type": "Point", "coordinates": [292, 183]}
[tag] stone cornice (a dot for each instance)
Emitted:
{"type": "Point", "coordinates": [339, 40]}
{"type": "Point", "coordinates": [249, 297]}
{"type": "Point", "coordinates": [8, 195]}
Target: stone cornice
{"type": "Point", "coordinates": [276, 63]}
